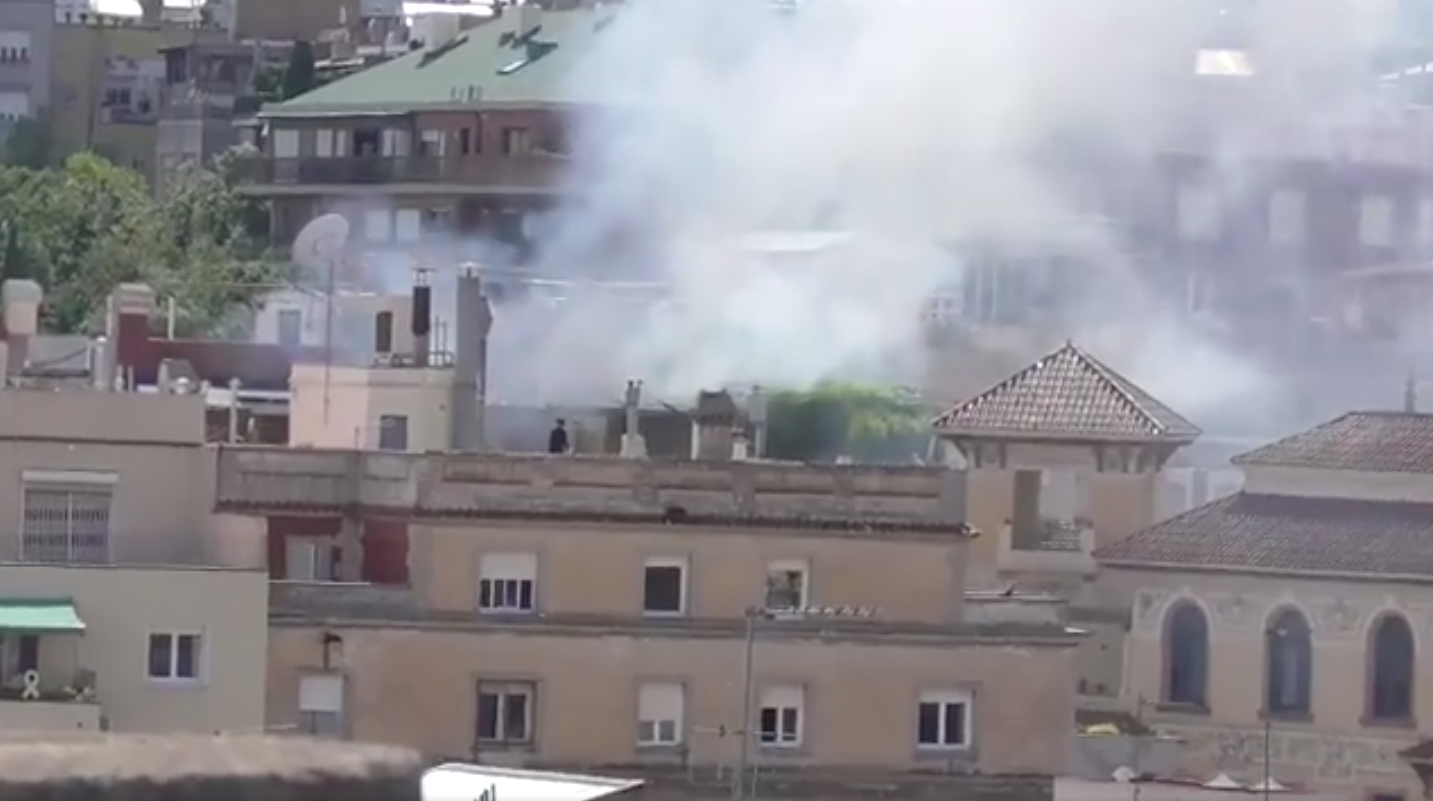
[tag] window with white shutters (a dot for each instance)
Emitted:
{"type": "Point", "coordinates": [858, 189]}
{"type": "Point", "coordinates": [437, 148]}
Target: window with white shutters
{"type": "Point", "coordinates": [321, 704]}
{"type": "Point", "coordinates": [660, 714]}
{"type": "Point", "coordinates": [508, 583]}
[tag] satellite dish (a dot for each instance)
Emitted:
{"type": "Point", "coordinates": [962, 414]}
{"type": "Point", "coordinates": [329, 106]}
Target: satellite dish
{"type": "Point", "coordinates": [321, 241]}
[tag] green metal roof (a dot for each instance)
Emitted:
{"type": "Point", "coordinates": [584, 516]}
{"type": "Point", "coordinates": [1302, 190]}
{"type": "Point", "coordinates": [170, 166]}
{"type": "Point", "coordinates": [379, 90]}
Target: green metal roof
{"type": "Point", "coordinates": [39, 615]}
{"type": "Point", "coordinates": [500, 68]}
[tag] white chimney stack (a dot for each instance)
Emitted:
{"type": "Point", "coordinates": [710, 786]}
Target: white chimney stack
{"type": "Point", "coordinates": [22, 307]}
{"type": "Point", "coordinates": [21, 300]}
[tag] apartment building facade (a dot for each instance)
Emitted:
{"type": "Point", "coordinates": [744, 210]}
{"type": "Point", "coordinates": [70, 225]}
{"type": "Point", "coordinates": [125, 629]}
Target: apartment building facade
{"type": "Point", "coordinates": [26, 58]}
{"type": "Point", "coordinates": [565, 610]}
{"type": "Point", "coordinates": [118, 609]}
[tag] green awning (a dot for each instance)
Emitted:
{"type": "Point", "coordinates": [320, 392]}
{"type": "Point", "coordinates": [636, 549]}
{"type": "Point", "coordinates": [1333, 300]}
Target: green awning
{"type": "Point", "coordinates": [39, 615]}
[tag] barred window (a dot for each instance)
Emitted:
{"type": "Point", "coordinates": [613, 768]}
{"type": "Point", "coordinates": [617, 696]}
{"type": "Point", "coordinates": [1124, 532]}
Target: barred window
{"type": "Point", "coordinates": [66, 524]}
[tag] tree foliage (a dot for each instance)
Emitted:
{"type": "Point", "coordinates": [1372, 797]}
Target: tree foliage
{"type": "Point", "coordinates": [88, 225]}
{"type": "Point", "coordinates": [834, 419]}
{"type": "Point", "coordinates": [301, 76]}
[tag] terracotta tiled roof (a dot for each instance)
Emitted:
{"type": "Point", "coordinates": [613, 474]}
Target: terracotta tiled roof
{"type": "Point", "coordinates": [1068, 393]}
{"type": "Point", "coordinates": [1369, 442]}
{"type": "Point", "coordinates": [1290, 533]}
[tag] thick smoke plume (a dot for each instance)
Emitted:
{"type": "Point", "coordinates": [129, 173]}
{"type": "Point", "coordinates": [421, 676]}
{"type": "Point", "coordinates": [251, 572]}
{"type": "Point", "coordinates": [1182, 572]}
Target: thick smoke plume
{"type": "Point", "coordinates": [901, 128]}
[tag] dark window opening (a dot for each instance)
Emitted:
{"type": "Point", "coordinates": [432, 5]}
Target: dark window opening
{"type": "Point", "coordinates": [1288, 661]}
{"type": "Point", "coordinates": [1391, 670]}
{"type": "Point", "coordinates": [393, 432]}
{"type": "Point", "coordinates": [1186, 656]}
{"type": "Point", "coordinates": [662, 589]}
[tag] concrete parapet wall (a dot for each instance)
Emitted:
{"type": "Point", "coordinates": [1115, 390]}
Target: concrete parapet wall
{"type": "Point", "coordinates": [456, 483]}
{"type": "Point", "coordinates": [84, 767]}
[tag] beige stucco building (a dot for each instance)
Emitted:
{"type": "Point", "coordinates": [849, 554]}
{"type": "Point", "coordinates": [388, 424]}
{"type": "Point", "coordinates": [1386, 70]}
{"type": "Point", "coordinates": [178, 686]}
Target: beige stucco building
{"type": "Point", "coordinates": [565, 610]}
{"type": "Point", "coordinates": [560, 610]}
{"type": "Point", "coordinates": [115, 606]}
{"type": "Point", "coordinates": [1303, 604]}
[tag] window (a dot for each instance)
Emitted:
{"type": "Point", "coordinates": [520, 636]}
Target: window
{"type": "Point", "coordinates": [117, 97]}
{"type": "Point", "coordinates": [505, 712]}
{"type": "Point", "coordinates": [1391, 663]}
{"type": "Point", "coordinates": [66, 523]}
{"type": "Point", "coordinates": [780, 719]}
{"type": "Point", "coordinates": [664, 587]}
{"type": "Point", "coordinates": [786, 585]}
{"type": "Point", "coordinates": [943, 720]}
{"type": "Point", "coordinates": [310, 559]}
{"type": "Point", "coordinates": [325, 143]}
{"type": "Point", "coordinates": [18, 653]}
{"type": "Point", "coordinates": [659, 714]}
{"type": "Point", "coordinates": [430, 143]}
{"type": "Point", "coordinates": [14, 106]}
{"type": "Point", "coordinates": [509, 582]}
{"type": "Point", "coordinates": [1198, 212]}
{"type": "Point", "coordinates": [517, 141]}
{"type": "Point", "coordinates": [465, 141]}
{"type": "Point", "coordinates": [1424, 232]}
{"type": "Point", "coordinates": [321, 705]}
{"type": "Point", "coordinates": [1286, 217]}
{"type": "Point", "coordinates": [291, 327]}
{"type": "Point", "coordinates": [1061, 495]}
{"type": "Point", "coordinates": [378, 225]}
{"type": "Point", "coordinates": [1375, 221]}
{"type": "Point", "coordinates": [285, 143]}
{"type": "Point", "coordinates": [407, 225]}
{"type": "Point", "coordinates": [392, 432]}
{"type": "Point", "coordinates": [1186, 655]}
{"type": "Point", "coordinates": [14, 47]}
{"type": "Point", "coordinates": [1288, 664]}
{"type": "Point", "coordinates": [174, 656]}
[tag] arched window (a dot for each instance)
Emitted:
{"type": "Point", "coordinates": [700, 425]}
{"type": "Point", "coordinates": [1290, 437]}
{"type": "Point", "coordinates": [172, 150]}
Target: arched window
{"type": "Point", "coordinates": [1289, 664]}
{"type": "Point", "coordinates": [1186, 655]}
{"type": "Point", "coordinates": [1390, 669]}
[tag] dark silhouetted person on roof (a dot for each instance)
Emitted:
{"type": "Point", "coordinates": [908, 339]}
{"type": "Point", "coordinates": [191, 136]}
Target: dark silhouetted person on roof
{"type": "Point", "coordinates": [557, 440]}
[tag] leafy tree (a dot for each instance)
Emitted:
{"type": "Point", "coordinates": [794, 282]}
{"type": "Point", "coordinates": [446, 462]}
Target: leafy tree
{"type": "Point", "coordinates": [83, 228]}
{"type": "Point", "coordinates": [301, 76]}
{"type": "Point", "coordinates": [832, 419]}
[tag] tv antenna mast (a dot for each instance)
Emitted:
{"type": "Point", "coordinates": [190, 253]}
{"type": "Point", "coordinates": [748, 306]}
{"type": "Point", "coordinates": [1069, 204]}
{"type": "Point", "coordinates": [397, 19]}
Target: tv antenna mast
{"type": "Point", "coordinates": [320, 245]}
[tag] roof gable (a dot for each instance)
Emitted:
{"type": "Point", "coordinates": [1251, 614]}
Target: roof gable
{"type": "Point", "coordinates": [1365, 442]}
{"type": "Point", "coordinates": [1068, 394]}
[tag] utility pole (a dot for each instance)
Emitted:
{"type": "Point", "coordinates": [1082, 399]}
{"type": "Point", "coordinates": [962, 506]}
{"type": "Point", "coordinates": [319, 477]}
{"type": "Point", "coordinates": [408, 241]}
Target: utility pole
{"type": "Point", "coordinates": [754, 617]}
{"type": "Point", "coordinates": [1138, 747]}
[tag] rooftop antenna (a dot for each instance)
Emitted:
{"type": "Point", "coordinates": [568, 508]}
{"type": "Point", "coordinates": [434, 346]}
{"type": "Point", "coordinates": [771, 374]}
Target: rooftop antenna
{"type": "Point", "coordinates": [320, 245]}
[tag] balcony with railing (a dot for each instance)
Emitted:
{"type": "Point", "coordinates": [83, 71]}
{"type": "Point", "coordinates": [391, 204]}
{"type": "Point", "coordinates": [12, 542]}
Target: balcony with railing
{"type": "Point", "coordinates": [42, 685]}
{"type": "Point", "coordinates": [1050, 545]}
{"type": "Point", "coordinates": [518, 173]}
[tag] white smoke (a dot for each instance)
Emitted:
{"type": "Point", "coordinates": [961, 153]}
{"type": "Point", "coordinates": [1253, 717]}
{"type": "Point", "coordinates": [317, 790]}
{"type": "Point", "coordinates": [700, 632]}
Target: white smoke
{"type": "Point", "coordinates": [906, 125]}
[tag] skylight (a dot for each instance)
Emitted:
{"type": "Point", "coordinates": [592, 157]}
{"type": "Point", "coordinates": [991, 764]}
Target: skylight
{"type": "Point", "coordinates": [1234, 63]}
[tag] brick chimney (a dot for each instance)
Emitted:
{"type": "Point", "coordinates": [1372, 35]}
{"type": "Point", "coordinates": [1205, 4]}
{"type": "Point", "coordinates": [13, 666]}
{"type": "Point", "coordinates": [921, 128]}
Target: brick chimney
{"type": "Point", "coordinates": [21, 300]}
{"type": "Point", "coordinates": [127, 325]}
